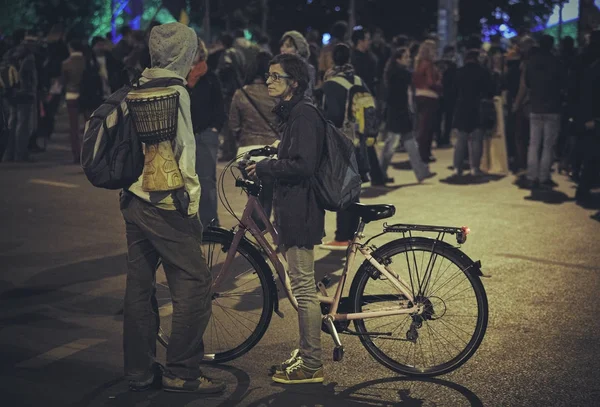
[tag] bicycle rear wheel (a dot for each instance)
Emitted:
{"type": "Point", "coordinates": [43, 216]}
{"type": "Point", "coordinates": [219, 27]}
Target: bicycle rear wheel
{"type": "Point", "coordinates": [241, 304]}
{"type": "Point", "coordinates": [451, 327]}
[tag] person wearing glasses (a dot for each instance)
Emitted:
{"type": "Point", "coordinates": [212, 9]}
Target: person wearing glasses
{"type": "Point", "coordinates": [298, 216]}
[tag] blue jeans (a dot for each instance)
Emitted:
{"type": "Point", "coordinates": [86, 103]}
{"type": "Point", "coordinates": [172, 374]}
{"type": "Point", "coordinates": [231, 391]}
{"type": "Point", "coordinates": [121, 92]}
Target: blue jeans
{"type": "Point", "coordinates": [544, 131]}
{"type": "Point", "coordinates": [412, 148]}
{"type": "Point", "coordinates": [207, 147]}
{"type": "Point", "coordinates": [468, 143]}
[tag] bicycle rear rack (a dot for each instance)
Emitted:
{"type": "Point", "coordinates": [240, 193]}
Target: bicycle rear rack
{"type": "Point", "coordinates": [460, 232]}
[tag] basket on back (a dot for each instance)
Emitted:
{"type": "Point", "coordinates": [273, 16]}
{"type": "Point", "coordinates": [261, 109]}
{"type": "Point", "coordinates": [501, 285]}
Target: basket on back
{"type": "Point", "coordinates": [154, 113]}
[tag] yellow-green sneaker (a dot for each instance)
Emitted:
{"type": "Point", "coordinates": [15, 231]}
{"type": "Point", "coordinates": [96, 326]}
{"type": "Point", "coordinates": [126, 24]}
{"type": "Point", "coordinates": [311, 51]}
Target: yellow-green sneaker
{"type": "Point", "coordinates": [280, 368]}
{"type": "Point", "coordinates": [297, 373]}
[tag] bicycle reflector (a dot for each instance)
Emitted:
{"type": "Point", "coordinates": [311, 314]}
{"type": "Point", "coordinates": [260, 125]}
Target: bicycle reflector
{"type": "Point", "coordinates": [461, 236]}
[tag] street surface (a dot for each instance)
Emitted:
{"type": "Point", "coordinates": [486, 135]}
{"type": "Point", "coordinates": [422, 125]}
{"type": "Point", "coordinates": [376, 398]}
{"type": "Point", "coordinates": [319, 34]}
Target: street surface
{"type": "Point", "coordinates": [63, 265]}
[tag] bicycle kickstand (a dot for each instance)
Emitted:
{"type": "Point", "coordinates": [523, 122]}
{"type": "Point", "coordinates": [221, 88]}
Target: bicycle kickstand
{"type": "Point", "coordinates": [338, 351]}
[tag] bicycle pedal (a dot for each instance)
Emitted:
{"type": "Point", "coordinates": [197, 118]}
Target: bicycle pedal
{"type": "Point", "coordinates": [338, 353]}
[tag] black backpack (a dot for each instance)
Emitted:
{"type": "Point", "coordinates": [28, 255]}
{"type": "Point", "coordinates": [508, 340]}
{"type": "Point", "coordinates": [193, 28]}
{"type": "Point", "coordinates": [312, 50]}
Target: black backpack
{"type": "Point", "coordinates": [111, 153]}
{"type": "Point", "coordinates": [337, 180]}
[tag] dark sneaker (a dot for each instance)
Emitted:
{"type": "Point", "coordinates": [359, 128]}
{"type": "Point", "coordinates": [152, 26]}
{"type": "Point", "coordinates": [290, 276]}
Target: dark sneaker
{"type": "Point", "coordinates": [153, 381]}
{"type": "Point", "coordinates": [297, 373]}
{"type": "Point", "coordinates": [280, 368]}
{"type": "Point", "coordinates": [202, 384]}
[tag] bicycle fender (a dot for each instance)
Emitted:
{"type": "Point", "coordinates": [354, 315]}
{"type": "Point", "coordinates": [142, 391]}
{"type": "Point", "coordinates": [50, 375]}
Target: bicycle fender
{"type": "Point", "coordinates": [260, 259]}
{"type": "Point", "coordinates": [474, 267]}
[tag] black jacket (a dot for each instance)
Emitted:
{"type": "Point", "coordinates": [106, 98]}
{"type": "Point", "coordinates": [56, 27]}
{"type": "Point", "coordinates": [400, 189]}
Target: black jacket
{"type": "Point", "coordinates": [298, 216]}
{"type": "Point", "coordinates": [473, 84]}
{"type": "Point", "coordinates": [398, 115]}
{"type": "Point", "coordinates": [207, 103]}
{"type": "Point", "coordinates": [546, 78]}
{"type": "Point", "coordinates": [365, 66]}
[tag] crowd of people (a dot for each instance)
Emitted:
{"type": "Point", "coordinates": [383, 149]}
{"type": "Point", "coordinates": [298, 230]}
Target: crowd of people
{"type": "Point", "coordinates": [239, 96]}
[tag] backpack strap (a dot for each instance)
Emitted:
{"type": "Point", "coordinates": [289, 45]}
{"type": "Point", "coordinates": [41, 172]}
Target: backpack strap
{"type": "Point", "coordinates": [347, 85]}
{"type": "Point", "coordinates": [161, 83]}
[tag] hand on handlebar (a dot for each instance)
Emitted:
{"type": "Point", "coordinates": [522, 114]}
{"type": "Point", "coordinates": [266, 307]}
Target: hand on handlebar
{"type": "Point", "coordinates": [264, 151]}
{"type": "Point", "coordinates": [251, 170]}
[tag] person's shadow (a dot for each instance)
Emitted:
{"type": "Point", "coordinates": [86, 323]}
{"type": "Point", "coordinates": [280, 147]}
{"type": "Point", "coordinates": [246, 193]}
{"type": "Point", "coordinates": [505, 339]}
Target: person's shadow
{"type": "Point", "coordinates": [551, 197]}
{"type": "Point", "coordinates": [469, 179]}
{"type": "Point", "coordinates": [116, 393]}
{"type": "Point", "coordinates": [391, 391]}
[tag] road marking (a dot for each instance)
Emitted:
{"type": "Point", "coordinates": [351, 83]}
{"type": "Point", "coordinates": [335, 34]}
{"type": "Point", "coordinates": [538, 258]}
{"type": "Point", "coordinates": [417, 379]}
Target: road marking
{"type": "Point", "coordinates": [59, 353]}
{"type": "Point", "coordinates": [52, 183]}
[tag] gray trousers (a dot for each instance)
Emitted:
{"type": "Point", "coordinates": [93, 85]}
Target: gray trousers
{"type": "Point", "coordinates": [468, 143]}
{"type": "Point", "coordinates": [301, 264]}
{"type": "Point", "coordinates": [543, 134]}
{"type": "Point", "coordinates": [420, 169]}
{"type": "Point", "coordinates": [154, 234]}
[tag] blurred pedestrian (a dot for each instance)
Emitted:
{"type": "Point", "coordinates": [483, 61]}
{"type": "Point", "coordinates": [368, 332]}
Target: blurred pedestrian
{"type": "Point", "coordinates": [208, 116]}
{"type": "Point", "coordinates": [428, 87]}
{"type": "Point", "coordinates": [398, 80]}
{"type": "Point", "coordinates": [292, 42]}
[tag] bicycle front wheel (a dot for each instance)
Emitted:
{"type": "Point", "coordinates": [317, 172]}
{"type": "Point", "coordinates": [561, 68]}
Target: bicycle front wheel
{"type": "Point", "coordinates": [455, 310]}
{"type": "Point", "coordinates": [241, 303]}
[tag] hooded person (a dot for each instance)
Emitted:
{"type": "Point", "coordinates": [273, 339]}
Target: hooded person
{"type": "Point", "coordinates": [292, 42]}
{"type": "Point", "coordinates": [165, 225]}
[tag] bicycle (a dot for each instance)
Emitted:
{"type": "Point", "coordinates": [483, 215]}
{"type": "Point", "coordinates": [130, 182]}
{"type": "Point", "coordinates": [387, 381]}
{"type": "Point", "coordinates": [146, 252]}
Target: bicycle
{"type": "Point", "coordinates": [397, 314]}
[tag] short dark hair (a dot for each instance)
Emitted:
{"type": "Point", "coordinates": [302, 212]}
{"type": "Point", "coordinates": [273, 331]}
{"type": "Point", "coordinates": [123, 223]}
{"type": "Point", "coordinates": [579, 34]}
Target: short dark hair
{"type": "Point", "coordinates": [339, 30]}
{"type": "Point", "coordinates": [341, 54]}
{"type": "Point", "coordinates": [263, 59]}
{"type": "Point", "coordinates": [358, 34]}
{"type": "Point", "coordinates": [296, 68]}
{"type": "Point", "coordinates": [96, 40]}
{"type": "Point", "coordinates": [226, 40]}
{"type": "Point", "coordinates": [76, 45]}
{"type": "Point", "coordinates": [546, 42]}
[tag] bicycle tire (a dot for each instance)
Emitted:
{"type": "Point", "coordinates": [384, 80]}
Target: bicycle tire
{"type": "Point", "coordinates": [358, 298]}
{"type": "Point", "coordinates": [261, 271]}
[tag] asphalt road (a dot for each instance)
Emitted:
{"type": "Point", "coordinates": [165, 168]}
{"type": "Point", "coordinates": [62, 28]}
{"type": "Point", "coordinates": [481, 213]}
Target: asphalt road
{"type": "Point", "coordinates": [62, 262]}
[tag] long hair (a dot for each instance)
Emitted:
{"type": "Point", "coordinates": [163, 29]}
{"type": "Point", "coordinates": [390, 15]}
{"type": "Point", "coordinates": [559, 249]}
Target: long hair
{"type": "Point", "coordinates": [427, 52]}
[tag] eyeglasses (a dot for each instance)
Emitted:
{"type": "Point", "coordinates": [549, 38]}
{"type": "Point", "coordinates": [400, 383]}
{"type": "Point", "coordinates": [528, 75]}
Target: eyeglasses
{"type": "Point", "coordinates": [275, 76]}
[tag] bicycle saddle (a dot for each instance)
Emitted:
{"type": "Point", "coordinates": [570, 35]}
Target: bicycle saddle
{"type": "Point", "coordinates": [369, 213]}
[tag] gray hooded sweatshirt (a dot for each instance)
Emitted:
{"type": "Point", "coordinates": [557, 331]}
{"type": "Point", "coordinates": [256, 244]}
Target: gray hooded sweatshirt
{"type": "Point", "coordinates": [172, 50]}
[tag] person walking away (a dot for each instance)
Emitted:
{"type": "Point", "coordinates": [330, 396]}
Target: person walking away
{"type": "Point", "coordinates": [335, 101]}
{"type": "Point", "coordinates": [164, 226]}
{"type": "Point", "coordinates": [22, 102]}
{"type": "Point", "coordinates": [292, 42]}
{"type": "Point", "coordinates": [473, 84]}
{"type": "Point", "coordinates": [365, 67]}
{"type": "Point", "coordinates": [397, 81]}
{"type": "Point", "coordinates": [448, 99]}
{"type": "Point", "coordinates": [254, 123]}
{"type": "Point", "coordinates": [522, 106]}
{"type": "Point", "coordinates": [428, 87]}
{"type": "Point", "coordinates": [72, 73]}
{"type": "Point", "coordinates": [208, 116]}
{"type": "Point", "coordinates": [230, 70]}
{"type": "Point", "coordinates": [298, 216]}
{"type": "Point", "coordinates": [545, 78]}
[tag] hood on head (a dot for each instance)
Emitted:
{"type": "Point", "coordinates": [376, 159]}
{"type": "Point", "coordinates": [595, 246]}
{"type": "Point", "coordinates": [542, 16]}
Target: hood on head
{"type": "Point", "coordinates": [300, 41]}
{"type": "Point", "coordinates": [173, 46]}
